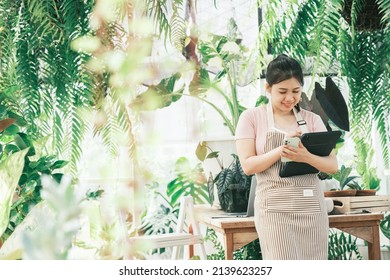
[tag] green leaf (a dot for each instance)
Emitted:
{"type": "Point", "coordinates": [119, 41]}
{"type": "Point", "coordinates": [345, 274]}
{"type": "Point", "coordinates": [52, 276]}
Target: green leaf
{"type": "Point", "coordinates": [10, 171]}
{"type": "Point", "coordinates": [201, 150]}
{"type": "Point", "coordinates": [20, 121]}
{"type": "Point", "coordinates": [385, 226]}
{"type": "Point", "coordinates": [57, 177]}
{"type": "Point", "coordinates": [3, 111]}
{"type": "Point", "coordinates": [59, 164]}
{"type": "Point", "coordinates": [11, 130]}
{"type": "Point", "coordinates": [30, 187]}
{"type": "Point", "coordinates": [23, 179]}
{"type": "Point", "coordinates": [44, 163]}
{"type": "Point", "coordinates": [33, 164]}
{"type": "Point", "coordinates": [20, 142]}
{"type": "Point", "coordinates": [159, 96]}
{"type": "Point", "coordinates": [23, 141]}
{"type": "Point", "coordinates": [10, 148]}
{"type": "Point", "coordinates": [261, 100]}
{"type": "Point", "coordinates": [213, 154]}
{"type": "Point", "coordinates": [94, 195]}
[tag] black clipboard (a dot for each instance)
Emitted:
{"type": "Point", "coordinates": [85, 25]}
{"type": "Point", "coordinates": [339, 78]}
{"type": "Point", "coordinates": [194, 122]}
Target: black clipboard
{"type": "Point", "coordinates": [318, 143]}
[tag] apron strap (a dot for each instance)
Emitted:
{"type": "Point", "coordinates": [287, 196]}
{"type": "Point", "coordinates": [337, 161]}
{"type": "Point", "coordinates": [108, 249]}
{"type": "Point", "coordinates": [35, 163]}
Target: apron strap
{"type": "Point", "coordinates": [300, 121]}
{"type": "Point", "coordinates": [270, 116]}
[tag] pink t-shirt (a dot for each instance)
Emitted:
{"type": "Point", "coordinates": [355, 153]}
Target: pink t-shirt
{"type": "Point", "coordinates": [253, 124]}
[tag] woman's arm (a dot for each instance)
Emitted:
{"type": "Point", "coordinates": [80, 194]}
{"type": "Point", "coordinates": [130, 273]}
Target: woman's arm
{"type": "Point", "coordinates": [252, 163]}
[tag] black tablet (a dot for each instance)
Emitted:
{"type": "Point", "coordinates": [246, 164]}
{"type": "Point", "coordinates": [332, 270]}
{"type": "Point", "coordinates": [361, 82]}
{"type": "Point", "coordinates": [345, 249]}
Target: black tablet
{"type": "Point", "coordinates": [318, 143]}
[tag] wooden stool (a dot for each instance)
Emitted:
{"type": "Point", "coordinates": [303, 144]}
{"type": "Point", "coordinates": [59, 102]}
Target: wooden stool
{"type": "Point", "coordinates": [180, 237]}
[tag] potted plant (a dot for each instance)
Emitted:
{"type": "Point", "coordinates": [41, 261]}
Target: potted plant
{"type": "Point", "coordinates": [232, 184]}
{"type": "Point", "coordinates": [370, 182]}
{"type": "Point", "coordinates": [345, 185]}
{"type": "Point", "coordinates": [233, 187]}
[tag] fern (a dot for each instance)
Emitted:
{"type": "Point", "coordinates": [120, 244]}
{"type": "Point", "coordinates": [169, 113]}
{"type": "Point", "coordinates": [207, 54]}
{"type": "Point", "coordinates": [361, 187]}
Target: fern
{"type": "Point", "coordinates": [8, 80]}
{"type": "Point", "coordinates": [117, 126]}
{"type": "Point", "coordinates": [177, 28]}
{"type": "Point", "coordinates": [267, 29]}
{"type": "Point", "coordinates": [384, 8]}
{"type": "Point", "coordinates": [326, 32]}
{"type": "Point", "coordinates": [357, 7]}
{"type": "Point", "coordinates": [295, 40]}
{"type": "Point", "coordinates": [157, 10]}
{"type": "Point", "coordinates": [51, 82]}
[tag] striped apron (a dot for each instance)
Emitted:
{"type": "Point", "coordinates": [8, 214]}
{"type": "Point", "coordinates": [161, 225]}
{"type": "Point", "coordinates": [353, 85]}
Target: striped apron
{"type": "Point", "coordinates": [290, 213]}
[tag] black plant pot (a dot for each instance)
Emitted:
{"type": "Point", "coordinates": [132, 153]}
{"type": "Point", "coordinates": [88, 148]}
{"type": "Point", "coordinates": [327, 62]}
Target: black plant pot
{"type": "Point", "coordinates": [234, 198]}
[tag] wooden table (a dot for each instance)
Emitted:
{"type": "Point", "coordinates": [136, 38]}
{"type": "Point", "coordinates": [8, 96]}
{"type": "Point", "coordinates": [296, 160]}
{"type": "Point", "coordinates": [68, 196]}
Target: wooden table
{"type": "Point", "coordinates": [238, 232]}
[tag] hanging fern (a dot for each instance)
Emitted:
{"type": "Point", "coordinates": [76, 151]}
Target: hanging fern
{"type": "Point", "coordinates": [157, 10]}
{"type": "Point", "coordinates": [52, 84]}
{"type": "Point", "coordinates": [177, 28]}
{"type": "Point", "coordinates": [116, 126]}
{"type": "Point", "coordinates": [325, 34]}
{"type": "Point", "coordinates": [296, 39]}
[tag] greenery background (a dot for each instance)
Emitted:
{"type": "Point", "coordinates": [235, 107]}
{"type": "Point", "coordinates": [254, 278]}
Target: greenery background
{"type": "Point", "coordinates": [72, 68]}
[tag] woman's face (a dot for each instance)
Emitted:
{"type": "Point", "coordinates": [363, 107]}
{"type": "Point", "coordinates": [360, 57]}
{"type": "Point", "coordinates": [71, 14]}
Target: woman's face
{"type": "Point", "coordinates": [285, 95]}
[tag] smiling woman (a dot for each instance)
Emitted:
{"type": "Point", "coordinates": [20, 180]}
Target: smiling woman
{"type": "Point", "coordinates": [289, 210]}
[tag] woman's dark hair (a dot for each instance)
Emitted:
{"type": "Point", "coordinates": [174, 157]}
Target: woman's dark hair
{"type": "Point", "coordinates": [283, 68]}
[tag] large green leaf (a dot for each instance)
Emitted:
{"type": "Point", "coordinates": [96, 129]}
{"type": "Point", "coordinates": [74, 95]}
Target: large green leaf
{"type": "Point", "coordinates": [159, 96]}
{"type": "Point", "coordinates": [10, 171]}
{"type": "Point", "coordinates": [201, 150]}
{"type": "Point", "coordinates": [385, 226]}
{"type": "Point", "coordinates": [189, 181]}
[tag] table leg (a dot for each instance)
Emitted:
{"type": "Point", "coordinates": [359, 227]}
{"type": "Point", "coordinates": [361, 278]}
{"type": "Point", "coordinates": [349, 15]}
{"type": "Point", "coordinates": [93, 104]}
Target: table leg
{"type": "Point", "coordinates": [228, 246]}
{"type": "Point", "coordinates": [374, 251]}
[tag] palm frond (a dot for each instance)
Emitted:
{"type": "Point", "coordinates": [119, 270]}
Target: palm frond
{"type": "Point", "coordinates": [356, 9]}
{"type": "Point", "coordinates": [115, 129]}
{"type": "Point", "coordinates": [27, 53]}
{"type": "Point", "coordinates": [326, 33]}
{"type": "Point", "coordinates": [158, 11]}
{"type": "Point", "coordinates": [44, 15]}
{"type": "Point", "coordinates": [295, 40]}
{"type": "Point", "coordinates": [384, 8]}
{"type": "Point", "coordinates": [51, 80]}
{"type": "Point", "coordinates": [267, 30]}
{"type": "Point", "coordinates": [177, 27]}
{"type": "Point", "coordinates": [8, 19]}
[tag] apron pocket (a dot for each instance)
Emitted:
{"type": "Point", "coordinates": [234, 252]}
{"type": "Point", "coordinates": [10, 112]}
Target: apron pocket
{"type": "Point", "coordinates": [297, 199]}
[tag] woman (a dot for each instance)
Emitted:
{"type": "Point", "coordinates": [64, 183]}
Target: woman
{"type": "Point", "coordinates": [290, 213]}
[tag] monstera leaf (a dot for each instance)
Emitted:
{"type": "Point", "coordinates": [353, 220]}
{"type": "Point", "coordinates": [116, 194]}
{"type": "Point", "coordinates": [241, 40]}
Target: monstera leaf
{"type": "Point", "coordinates": [385, 226]}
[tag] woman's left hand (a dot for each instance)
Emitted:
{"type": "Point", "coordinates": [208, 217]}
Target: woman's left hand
{"type": "Point", "coordinates": [300, 154]}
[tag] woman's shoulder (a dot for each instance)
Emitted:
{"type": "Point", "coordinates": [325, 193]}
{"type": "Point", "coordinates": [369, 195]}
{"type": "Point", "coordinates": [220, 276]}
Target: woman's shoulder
{"type": "Point", "coordinates": [255, 112]}
{"type": "Point", "coordinates": [308, 114]}
{"type": "Point", "coordinates": [255, 116]}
